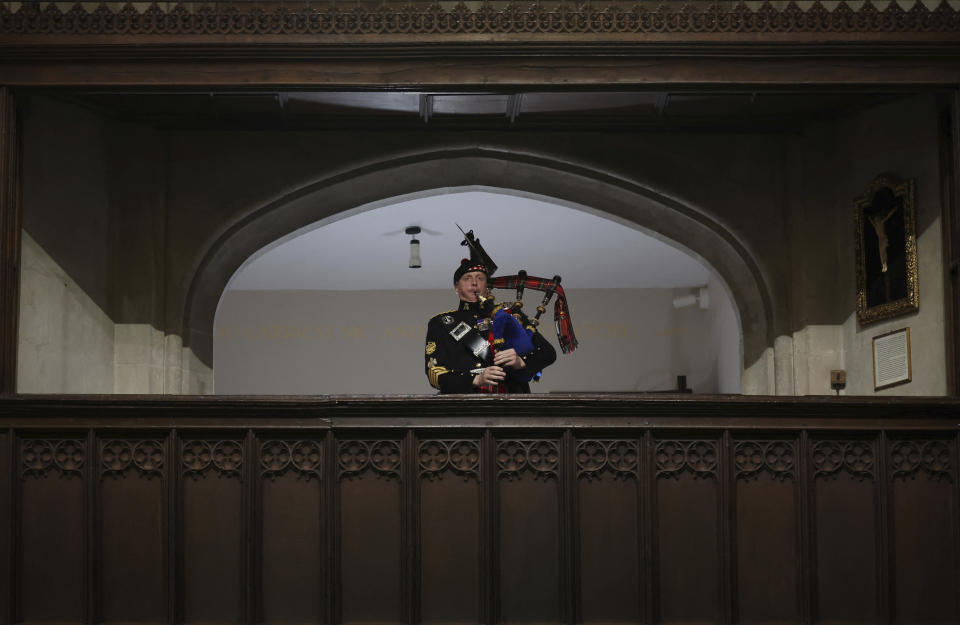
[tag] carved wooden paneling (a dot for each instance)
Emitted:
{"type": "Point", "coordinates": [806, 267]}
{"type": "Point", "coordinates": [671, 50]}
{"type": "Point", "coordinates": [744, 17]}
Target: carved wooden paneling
{"type": "Point", "coordinates": [698, 457]}
{"type": "Point", "coordinates": [354, 458]}
{"type": "Point", "coordinates": [776, 458]}
{"type": "Point", "coordinates": [767, 520]}
{"type": "Point", "coordinates": [548, 523]}
{"type": "Point", "coordinates": [64, 456]}
{"type": "Point", "coordinates": [608, 530]}
{"type": "Point", "coordinates": [132, 546]}
{"type": "Point", "coordinates": [212, 529]}
{"type": "Point", "coordinates": [424, 18]}
{"type": "Point", "coordinates": [846, 518]}
{"type": "Point", "coordinates": [462, 457]}
{"type": "Point", "coordinates": [910, 458]}
{"type": "Point", "coordinates": [529, 529]}
{"type": "Point", "coordinates": [371, 529]}
{"type": "Point", "coordinates": [832, 457]}
{"type": "Point", "coordinates": [303, 458]}
{"type": "Point", "coordinates": [145, 457]}
{"type": "Point", "coordinates": [450, 522]}
{"type": "Point", "coordinates": [51, 563]}
{"type": "Point", "coordinates": [198, 457]}
{"type": "Point", "coordinates": [291, 530]}
{"type": "Point", "coordinates": [924, 511]}
{"type": "Point", "coordinates": [7, 560]}
{"type": "Point", "coordinates": [539, 458]}
{"type": "Point", "coordinates": [686, 526]}
{"type": "Point", "coordinates": [617, 457]}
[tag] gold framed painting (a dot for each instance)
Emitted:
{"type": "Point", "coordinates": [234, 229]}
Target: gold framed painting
{"type": "Point", "coordinates": [886, 250]}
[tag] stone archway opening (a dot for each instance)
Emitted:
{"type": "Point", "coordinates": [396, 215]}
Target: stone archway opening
{"type": "Point", "coordinates": [308, 312]}
{"type": "Point", "coordinates": [641, 206]}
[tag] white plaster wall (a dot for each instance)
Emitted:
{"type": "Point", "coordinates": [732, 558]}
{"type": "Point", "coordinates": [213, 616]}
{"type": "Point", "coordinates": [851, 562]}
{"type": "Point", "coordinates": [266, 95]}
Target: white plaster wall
{"type": "Point", "coordinates": [900, 138]}
{"type": "Point", "coordinates": [66, 342]}
{"type": "Point", "coordinates": [148, 361]}
{"type": "Point", "coordinates": [345, 342]}
{"type": "Point", "coordinates": [927, 339]}
{"type": "Point", "coordinates": [834, 162]}
{"type": "Point", "coordinates": [818, 349]}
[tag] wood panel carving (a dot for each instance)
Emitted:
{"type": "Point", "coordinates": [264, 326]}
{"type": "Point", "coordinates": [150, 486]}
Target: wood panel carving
{"type": "Point", "coordinates": [539, 457]}
{"type": "Point", "coordinates": [776, 457]}
{"type": "Point", "coordinates": [359, 456]}
{"type": "Point", "coordinates": [908, 458]}
{"type": "Point", "coordinates": [460, 456]}
{"type": "Point", "coordinates": [597, 517]}
{"type": "Point", "coordinates": [119, 455]}
{"type": "Point", "coordinates": [619, 457]}
{"type": "Point", "coordinates": [303, 457]}
{"type": "Point", "coordinates": [430, 18]}
{"type": "Point", "coordinates": [698, 457]}
{"type": "Point", "coordinates": [199, 456]}
{"type": "Point", "coordinates": [831, 457]}
{"type": "Point", "coordinates": [39, 456]}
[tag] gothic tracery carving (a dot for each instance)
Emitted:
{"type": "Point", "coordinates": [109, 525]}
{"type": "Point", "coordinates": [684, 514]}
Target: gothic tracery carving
{"type": "Point", "coordinates": [358, 456]}
{"type": "Point", "coordinates": [910, 457]}
{"type": "Point", "coordinates": [39, 456]}
{"type": "Point", "coordinates": [776, 457]}
{"type": "Point", "coordinates": [854, 457]}
{"type": "Point", "coordinates": [540, 457]}
{"type": "Point", "coordinates": [460, 456]}
{"type": "Point", "coordinates": [620, 457]}
{"type": "Point", "coordinates": [430, 18]}
{"type": "Point", "coordinates": [303, 457]}
{"type": "Point", "coordinates": [118, 455]}
{"type": "Point", "coordinates": [225, 456]}
{"type": "Point", "coordinates": [699, 457]}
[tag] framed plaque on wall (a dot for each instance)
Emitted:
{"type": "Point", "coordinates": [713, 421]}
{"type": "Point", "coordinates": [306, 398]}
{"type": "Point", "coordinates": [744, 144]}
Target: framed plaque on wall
{"type": "Point", "coordinates": [891, 359]}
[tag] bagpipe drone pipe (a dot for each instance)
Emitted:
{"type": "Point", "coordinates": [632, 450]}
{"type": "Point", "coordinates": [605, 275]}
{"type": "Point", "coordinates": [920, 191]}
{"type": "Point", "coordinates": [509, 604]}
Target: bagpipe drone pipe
{"type": "Point", "coordinates": [507, 326]}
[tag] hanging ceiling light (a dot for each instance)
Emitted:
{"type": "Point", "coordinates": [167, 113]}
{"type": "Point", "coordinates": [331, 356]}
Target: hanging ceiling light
{"type": "Point", "coordinates": [414, 247]}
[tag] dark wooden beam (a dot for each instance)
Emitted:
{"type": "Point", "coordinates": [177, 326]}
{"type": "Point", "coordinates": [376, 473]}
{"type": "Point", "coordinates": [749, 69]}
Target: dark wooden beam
{"type": "Point", "coordinates": [949, 110]}
{"type": "Point", "coordinates": [9, 239]}
{"type": "Point", "coordinates": [703, 69]}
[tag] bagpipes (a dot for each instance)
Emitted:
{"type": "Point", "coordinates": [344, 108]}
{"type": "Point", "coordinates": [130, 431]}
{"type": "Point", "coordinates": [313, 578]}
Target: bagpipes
{"type": "Point", "coordinates": [561, 311]}
{"type": "Point", "coordinates": [519, 339]}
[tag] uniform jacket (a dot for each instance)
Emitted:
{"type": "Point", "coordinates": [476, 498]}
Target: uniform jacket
{"type": "Point", "coordinates": [447, 363]}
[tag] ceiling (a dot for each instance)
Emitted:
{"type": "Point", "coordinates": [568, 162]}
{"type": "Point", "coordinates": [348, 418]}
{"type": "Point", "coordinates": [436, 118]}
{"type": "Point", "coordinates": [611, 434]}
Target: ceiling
{"type": "Point", "coordinates": [746, 110]}
{"type": "Point", "coordinates": [368, 249]}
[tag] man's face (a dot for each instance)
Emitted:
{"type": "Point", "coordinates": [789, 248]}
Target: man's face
{"type": "Point", "coordinates": [471, 285]}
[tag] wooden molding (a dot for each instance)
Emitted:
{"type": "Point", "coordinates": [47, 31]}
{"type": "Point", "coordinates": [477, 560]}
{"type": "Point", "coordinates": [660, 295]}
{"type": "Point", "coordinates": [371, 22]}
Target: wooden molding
{"type": "Point", "coordinates": [545, 19]}
{"type": "Point", "coordinates": [9, 239]}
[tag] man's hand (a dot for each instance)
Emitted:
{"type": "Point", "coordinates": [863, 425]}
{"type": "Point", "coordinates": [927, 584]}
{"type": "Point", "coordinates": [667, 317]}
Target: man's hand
{"type": "Point", "coordinates": [509, 358]}
{"type": "Point", "coordinates": [491, 376]}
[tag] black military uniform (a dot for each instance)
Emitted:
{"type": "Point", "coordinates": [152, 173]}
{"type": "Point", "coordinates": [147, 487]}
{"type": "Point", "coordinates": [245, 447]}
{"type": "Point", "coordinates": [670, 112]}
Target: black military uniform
{"type": "Point", "coordinates": [448, 363]}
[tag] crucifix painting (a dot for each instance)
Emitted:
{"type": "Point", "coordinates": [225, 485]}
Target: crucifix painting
{"type": "Point", "coordinates": [886, 253]}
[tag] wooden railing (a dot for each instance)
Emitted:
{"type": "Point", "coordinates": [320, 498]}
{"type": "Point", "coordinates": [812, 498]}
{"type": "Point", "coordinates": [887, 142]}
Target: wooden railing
{"type": "Point", "coordinates": [569, 509]}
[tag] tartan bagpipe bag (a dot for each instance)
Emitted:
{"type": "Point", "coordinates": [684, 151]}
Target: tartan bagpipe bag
{"type": "Point", "coordinates": [561, 311]}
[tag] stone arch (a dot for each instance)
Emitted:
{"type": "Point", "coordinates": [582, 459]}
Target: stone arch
{"type": "Point", "coordinates": [559, 181]}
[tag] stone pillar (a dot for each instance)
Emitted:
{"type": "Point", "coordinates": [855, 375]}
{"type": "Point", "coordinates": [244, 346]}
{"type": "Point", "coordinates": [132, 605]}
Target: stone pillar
{"type": "Point", "coordinates": [9, 239]}
{"type": "Point", "coordinates": [783, 365]}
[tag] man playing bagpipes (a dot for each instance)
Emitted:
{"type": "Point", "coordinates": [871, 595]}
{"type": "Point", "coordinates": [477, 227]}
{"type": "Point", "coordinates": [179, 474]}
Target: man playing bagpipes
{"type": "Point", "coordinates": [485, 347]}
